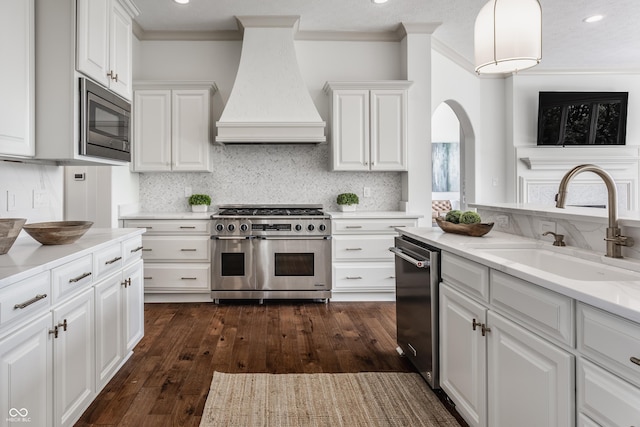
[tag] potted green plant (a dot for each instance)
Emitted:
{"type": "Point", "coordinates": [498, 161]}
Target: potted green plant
{"type": "Point", "coordinates": [199, 202]}
{"type": "Point", "coordinates": [347, 201]}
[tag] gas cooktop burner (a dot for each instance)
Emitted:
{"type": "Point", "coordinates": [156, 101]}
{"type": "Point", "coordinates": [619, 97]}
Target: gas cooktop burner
{"type": "Point", "coordinates": [270, 211]}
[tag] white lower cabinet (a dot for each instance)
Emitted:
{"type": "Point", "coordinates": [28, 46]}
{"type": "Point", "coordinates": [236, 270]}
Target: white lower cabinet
{"type": "Point", "coordinates": [497, 370]}
{"type": "Point", "coordinates": [26, 375]}
{"type": "Point", "coordinates": [57, 353]}
{"type": "Point", "coordinates": [74, 358]}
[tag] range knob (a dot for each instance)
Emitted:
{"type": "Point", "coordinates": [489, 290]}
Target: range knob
{"type": "Point", "coordinates": [244, 227]}
{"type": "Point", "coordinates": [311, 227]}
{"type": "Point", "coordinates": [219, 227]}
{"type": "Point", "coordinates": [322, 227]}
{"type": "Point", "coordinates": [231, 227]}
{"type": "Point", "coordinates": [298, 227]}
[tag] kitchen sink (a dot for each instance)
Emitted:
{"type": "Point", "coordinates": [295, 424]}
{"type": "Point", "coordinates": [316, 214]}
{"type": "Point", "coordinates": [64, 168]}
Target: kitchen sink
{"type": "Point", "coordinates": [562, 265]}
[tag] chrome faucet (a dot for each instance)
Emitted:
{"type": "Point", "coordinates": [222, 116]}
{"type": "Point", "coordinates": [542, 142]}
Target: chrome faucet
{"type": "Point", "coordinates": [614, 239]}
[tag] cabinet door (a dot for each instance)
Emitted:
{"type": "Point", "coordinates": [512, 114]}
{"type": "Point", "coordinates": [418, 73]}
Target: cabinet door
{"type": "Point", "coordinates": [350, 130]}
{"type": "Point", "coordinates": [92, 39]}
{"type": "Point", "coordinates": [389, 130]}
{"type": "Point", "coordinates": [190, 130]}
{"type": "Point", "coordinates": [133, 305]}
{"type": "Point", "coordinates": [17, 78]}
{"type": "Point", "coordinates": [74, 358]}
{"type": "Point", "coordinates": [109, 328]}
{"type": "Point", "coordinates": [531, 382]}
{"type": "Point", "coordinates": [26, 375]}
{"type": "Point", "coordinates": [120, 50]}
{"type": "Point", "coordinates": [463, 355]}
{"type": "Point", "coordinates": [152, 131]}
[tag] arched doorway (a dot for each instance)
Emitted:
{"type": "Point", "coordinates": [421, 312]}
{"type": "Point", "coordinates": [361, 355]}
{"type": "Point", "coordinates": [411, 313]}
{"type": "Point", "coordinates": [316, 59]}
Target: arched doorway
{"type": "Point", "coordinates": [453, 151]}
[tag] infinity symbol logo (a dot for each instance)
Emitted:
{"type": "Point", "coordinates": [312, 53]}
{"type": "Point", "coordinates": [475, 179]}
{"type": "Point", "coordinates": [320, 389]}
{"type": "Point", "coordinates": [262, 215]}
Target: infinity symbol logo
{"type": "Point", "coordinates": [13, 412]}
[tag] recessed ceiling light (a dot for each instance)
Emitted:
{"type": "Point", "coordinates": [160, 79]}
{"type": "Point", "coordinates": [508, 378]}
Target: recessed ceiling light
{"type": "Point", "coordinates": [594, 18]}
{"type": "Point", "coordinates": [379, 1]}
{"type": "Point", "coordinates": [181, 1]}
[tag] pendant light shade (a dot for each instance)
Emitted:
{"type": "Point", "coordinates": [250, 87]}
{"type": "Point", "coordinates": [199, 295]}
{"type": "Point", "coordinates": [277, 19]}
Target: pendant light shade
{"type": "Point", "coordinates": [508, 36]}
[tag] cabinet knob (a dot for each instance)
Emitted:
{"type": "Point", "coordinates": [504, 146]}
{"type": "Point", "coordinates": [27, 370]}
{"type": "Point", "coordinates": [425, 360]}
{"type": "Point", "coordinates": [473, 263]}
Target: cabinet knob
{"type": "Point", "coordinates": [474, 324]}
{"type": "Point", "coordinates": [485, 329]}
{"type": "Point", "coordinates": [63, 325]}
{"type": "Point", "coordinates": [113, 76]}
{"type": "Point", "coordinates": [54, 332]}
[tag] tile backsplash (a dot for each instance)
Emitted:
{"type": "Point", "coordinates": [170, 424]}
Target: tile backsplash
{"type": "Point", "coordinates": [270, 174]}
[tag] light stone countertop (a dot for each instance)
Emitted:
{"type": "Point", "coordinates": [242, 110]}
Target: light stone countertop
{"type": "Point", "coordinates": [373, 215]}
{"type": "Point", "coordinates": [168, 215]}
{"type": "Point", "coordinates": [28, 257]}
{"type": "Point", "coordinates": [333, 215]}
{"type": "Point", "coordinates": [617, 297]}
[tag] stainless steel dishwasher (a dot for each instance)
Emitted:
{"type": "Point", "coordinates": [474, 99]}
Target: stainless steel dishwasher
{"type": "Point", "coordinates": [417, 279]}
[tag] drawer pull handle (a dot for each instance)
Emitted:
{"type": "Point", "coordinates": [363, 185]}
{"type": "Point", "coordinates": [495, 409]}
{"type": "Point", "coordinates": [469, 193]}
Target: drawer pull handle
{"type": "Point", "coordinates": [139, 248]}
{"type": "Point", "coordinates": [354, 277]}
{"type": "Point", "coordinates": [353, 249]}
{"type": "Point", "coordinates": [189, 227]}
{"type": "Point", "coordinates": [397, 226]}
{"type": "Point", "coordinates": [188, 278]}
{"type": "Point", "coordinates": [188, 250]}
{"type": "Point", "coordinates": [392, 277]}
{"type": "Point", "coordinates": [635, 360]}
{"type": "Point", "coordinates": [29, 302]}
{"type": "Point", "coordinates": [148, 277]}
{"type": "Point", "coordinates": [145, 227]}
{"type": "Point", "coordinates": [111, 261]}
{"type": "Point", "coordinates": [353, 226]}
{"type": "Point", "coordinates": [77, 279]}
{"type": "Point", "coordinates": [146, 250]}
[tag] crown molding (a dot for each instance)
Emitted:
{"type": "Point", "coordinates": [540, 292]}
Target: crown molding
{"type": "Point", "coordinates": [405, 28]}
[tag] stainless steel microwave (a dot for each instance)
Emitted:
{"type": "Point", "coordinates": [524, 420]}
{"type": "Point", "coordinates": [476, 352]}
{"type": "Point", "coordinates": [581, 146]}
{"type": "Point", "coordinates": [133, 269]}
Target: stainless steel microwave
{"type": "Point", "coordinates": [105, 123]}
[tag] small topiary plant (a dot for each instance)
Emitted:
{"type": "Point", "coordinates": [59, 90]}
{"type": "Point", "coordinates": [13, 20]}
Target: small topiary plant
{"type": "Point", "coordinates": [453, 216]}
{"type": "Point", "coordinates": [347, 199]}
{"type": "Point", "coordinates": [470, 217]}
{"type": "Point", "coordinates": [199, 199]}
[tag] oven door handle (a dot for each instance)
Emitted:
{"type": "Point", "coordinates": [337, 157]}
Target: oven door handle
{"type": "Point", "coordinates": [424, 263]}
{"type": "Point", "coordinates": [233, 237]}
{"type": "Point", "coordinates": [294, 237]}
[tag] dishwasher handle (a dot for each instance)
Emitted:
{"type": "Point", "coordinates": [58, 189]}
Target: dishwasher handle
{"type": "Point", "coordinates": [423, 263]}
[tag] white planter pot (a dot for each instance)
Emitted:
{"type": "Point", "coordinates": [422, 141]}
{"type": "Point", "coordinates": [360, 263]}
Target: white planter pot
{"type": "Point", "coordinates": [199, 208]}
{"type": "Point", "coordinates": [348, 208]}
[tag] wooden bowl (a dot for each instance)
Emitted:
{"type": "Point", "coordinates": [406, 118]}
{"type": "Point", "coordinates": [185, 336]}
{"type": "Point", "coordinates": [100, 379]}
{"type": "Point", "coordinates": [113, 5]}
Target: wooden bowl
{"type": "Point", "coordinates": [57, 232]}
{"type": "Point", "coordinates": [9, 230]}
{"type": "Point", "coordinates": [474, 230]}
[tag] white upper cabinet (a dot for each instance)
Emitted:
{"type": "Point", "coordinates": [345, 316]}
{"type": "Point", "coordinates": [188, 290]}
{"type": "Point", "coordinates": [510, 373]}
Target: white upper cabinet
{"type": "Point", "coordinates": [368, 125]}
{"type": "Point", "coordinates": [17, 78]}
{"type": "Point", "coordinates": [172, 127]}
{"type": "Point", "coordinates": [104, 44]}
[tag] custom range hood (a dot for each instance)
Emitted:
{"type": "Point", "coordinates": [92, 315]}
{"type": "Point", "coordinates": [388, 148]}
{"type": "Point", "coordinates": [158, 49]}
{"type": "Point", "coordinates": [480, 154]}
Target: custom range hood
{"type": "Point", "coordinates": [269, 102]}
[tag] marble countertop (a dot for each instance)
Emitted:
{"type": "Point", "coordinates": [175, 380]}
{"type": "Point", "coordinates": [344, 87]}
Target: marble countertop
{"type": "Point", "coordinates": [373, 215]}
{"type": "Point", "coordinates": [619, 297]}
{"type": "Point", "coordinates": [28, 257]}
{"type": "Point", "coordinates": [168, 215]}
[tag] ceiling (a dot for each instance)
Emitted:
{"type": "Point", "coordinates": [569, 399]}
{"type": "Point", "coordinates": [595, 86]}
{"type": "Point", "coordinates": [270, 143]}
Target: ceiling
{"type": "Point", "coordinates": [569, 44]}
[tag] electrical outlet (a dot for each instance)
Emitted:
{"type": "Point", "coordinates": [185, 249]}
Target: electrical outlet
{"type": "Point", "coordinates": [40, 199]}
{"type": "Point", "coordinates": [366, 192]}
{"type": "Point", "coordinates": [187, 191]}
{"type": "Point", "coordinates": [12, 204]}
{"type": "Point", "coordinates": [502, 221]}
{"type": "Point", "coordinates": [547, 226]}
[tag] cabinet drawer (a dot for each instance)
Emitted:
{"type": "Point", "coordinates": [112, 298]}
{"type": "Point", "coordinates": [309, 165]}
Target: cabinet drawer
{"type": "Point", "coordinates": [176, 248]}
{"type": "Point", "coordinates": [610, 341]}
{"type": "Point", "coordinates": [538, 308]}
{"type": "Point", "coordinates": [378, 226]}
{"type": "Point", "coordinates": [362, 247]}
{"type": "Point", "coordinates": [364, 276]}
{"type": "Point", "coordinates": [107, 260]}
{"type": "Point", "coordinates": [466, 275]}
{"type": "Point", "coordinates": [170, 226]}
{"type": "Point", "coordinates": [172, 277]}
{"type": "Point", "coordinates": [132, 250]}
{"type": "Point", "coordinates": [605, 398]}
{"type": "Point", "coordinates": [71, 277]}
{"type": "Point", "coordinates": [25, 297]}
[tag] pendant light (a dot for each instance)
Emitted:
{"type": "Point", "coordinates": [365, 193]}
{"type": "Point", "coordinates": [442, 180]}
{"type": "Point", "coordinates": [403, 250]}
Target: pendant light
{"type": "Point", "coordinates": [508, 36]}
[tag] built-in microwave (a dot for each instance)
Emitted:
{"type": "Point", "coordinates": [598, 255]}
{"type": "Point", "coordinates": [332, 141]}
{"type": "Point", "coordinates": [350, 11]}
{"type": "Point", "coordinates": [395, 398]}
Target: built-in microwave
{"type": "Point", "coordinates": [105, 130]}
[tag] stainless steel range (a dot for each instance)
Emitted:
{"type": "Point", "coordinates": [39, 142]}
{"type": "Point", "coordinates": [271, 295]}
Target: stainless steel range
{"type": "Point", "coordinates": [271, 251]}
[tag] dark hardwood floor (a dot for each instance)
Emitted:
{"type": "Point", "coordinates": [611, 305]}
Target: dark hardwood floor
{"type": "Point", "coordinates": [166, 381]}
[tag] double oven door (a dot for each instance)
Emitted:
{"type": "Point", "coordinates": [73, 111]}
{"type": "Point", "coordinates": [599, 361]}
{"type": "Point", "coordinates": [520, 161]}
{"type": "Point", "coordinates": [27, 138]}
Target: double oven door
{"type": "Point", "coordinates": [271, 263]}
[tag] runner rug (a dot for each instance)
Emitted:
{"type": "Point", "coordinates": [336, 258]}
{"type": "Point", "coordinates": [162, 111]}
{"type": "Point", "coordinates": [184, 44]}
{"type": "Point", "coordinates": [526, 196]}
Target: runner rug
{"type": "Point", "coordinates": [367, 399]}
